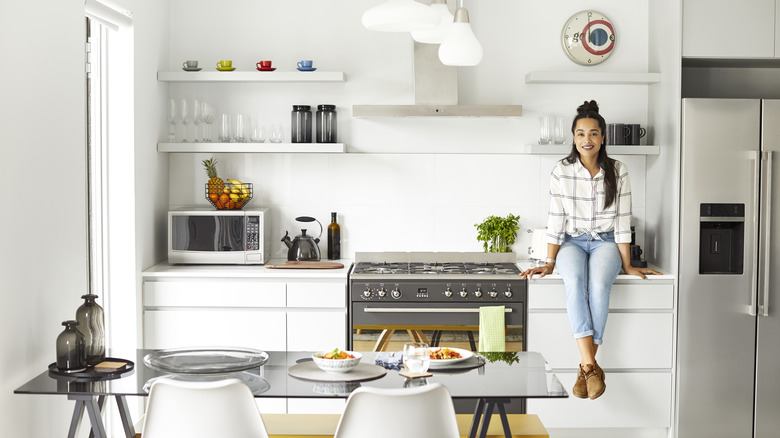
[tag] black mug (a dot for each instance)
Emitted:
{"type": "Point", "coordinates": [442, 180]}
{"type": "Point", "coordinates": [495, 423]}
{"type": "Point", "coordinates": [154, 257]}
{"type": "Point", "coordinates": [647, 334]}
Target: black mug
{"type": "Point", "coordinates": [617, 133]}
{"type": "Point", "coordinates": [635, 132]}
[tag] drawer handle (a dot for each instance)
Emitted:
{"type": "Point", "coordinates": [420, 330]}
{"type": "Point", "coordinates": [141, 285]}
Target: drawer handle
{"type": "Point", "coordinates": [423, 310]}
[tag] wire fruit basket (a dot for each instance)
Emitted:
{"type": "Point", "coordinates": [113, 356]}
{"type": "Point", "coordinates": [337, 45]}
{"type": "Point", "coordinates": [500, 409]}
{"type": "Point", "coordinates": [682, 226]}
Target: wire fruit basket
{"type": "Point", "coordinates": [233, 197]}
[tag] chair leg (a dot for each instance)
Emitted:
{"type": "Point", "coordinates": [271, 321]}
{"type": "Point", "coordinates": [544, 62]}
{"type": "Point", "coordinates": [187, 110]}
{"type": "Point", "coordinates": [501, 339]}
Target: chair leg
{"type": "Point", "coordinates": [384, 339]}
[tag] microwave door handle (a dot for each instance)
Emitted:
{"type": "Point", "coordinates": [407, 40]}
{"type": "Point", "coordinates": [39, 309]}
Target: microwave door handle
{"type": "Point", "coordinates": [766, 226]}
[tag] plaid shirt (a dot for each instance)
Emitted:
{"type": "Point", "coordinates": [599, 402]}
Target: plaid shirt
{"type": "Point", "coordinates": [577, 204]}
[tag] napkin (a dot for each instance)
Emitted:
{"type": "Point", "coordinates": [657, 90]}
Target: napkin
{"type": "Point", "coordinates": [391, 360]}
{"type": "Point", "coordinates": [491, 329]}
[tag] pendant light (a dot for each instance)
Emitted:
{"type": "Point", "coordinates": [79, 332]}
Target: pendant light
{"type": "Point", "coordinates": [438, 33]}
{"type": "Point", "coordinates": [400, 16]}
{"type": "Point", "coordinates": [460, 47]}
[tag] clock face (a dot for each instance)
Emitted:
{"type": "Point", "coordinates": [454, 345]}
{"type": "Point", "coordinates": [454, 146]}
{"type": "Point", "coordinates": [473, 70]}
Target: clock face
{"type": "Point", "coordinates": [588, 38]}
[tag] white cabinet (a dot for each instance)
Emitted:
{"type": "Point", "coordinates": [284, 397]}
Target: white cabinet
{"type": "Point", "coordinates": [637, 355]}
{"type": "Point", "coordinates": [725, 29]}
{"type": "Point", "coordinates": [316, 316]}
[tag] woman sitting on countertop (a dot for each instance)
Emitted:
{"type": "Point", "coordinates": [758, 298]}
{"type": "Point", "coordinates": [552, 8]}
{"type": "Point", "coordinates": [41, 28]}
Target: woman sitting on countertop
{"type": "Point", "coordinates": [588, 238]}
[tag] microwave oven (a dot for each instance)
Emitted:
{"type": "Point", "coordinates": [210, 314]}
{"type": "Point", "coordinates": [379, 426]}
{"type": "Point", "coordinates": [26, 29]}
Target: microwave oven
{"type": "Point", "coordinates": [208, 236]}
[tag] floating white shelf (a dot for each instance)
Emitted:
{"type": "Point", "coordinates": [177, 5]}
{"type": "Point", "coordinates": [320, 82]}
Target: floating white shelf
{"type": "Point", "coordinates": [564, 149]}
{"type": "Point", "coordinates": [282, 148]}
{"type": "Point", "coordinates": [606, 78]}
{"type": "Point", "coordinates": [251, 76]}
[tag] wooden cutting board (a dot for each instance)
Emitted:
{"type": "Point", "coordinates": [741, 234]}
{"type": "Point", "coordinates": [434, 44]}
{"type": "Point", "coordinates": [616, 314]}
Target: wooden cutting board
{"type": "Point", "coordinates": [306, 265]}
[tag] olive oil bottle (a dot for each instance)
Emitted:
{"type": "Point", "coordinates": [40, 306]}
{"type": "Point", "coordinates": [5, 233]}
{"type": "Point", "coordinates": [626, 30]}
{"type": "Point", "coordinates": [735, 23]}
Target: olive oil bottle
{"type": "Point", "coordinates": [334, 238]}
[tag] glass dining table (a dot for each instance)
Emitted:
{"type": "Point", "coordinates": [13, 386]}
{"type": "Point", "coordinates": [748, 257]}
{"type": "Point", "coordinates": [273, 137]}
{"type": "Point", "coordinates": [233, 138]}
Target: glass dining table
{"type": "Point", "coordinates": [491, 379]}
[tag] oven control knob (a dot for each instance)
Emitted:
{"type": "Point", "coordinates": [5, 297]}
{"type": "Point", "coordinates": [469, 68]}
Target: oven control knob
{"type": "Point", "coordinates": [508, 293]}
{"type": "Point", "coordinates": [448, 293]}
{"type": "Point", "coordinates": [367, 293]}
{"type": "Point", "coordinates": [463, 293]}
{"type": "Point", "coordinates": [493, 294]}
{"type": "Point", "coordinates": [478, 293]}
{"type": "Point", "coordinates": [395, 293]}
{"type": "Point", "coordinates": [381, 293]}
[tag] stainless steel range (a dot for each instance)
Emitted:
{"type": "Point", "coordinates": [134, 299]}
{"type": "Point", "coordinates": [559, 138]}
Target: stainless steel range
{"type": "Point", "coordinates": [428, 294]}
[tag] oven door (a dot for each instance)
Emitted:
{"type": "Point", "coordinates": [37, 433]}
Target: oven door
{"type": "Point", "coordinates": [380, 326]}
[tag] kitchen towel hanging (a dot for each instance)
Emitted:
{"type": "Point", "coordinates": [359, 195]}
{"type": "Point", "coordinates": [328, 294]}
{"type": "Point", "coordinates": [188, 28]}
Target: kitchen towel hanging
{"type": "Point", "coordinates": [492, 329]}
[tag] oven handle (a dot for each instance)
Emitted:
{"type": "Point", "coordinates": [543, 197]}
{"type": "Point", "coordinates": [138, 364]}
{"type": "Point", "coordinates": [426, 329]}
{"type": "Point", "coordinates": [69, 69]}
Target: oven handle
{"type": "Point", "coordinates": [423, 310]}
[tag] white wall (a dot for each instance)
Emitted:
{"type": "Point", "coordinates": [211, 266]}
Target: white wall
{"type": "Point", "coordinates": [43, 263]}
{"type": "Point", "coordinates": [387, 195]}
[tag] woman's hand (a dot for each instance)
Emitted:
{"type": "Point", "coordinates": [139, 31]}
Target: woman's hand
{"type": "Point", "coordinates": [541, 270]}
{"type": "Point", "coordinates": [640, 272]}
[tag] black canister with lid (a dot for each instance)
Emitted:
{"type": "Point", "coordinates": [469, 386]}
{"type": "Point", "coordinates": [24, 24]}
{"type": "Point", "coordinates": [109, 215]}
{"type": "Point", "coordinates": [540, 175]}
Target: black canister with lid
{"type": "Point", "coordinates": [326, 123]}
{"type": "Point", "coordinates": [301, 124]}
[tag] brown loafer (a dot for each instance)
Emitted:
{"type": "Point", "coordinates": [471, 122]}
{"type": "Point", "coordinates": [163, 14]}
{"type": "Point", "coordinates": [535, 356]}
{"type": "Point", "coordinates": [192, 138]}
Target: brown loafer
{"type": "Point", "coordinates": [580, 387]}
{"type": "Point", "coordinates": [594, 379]}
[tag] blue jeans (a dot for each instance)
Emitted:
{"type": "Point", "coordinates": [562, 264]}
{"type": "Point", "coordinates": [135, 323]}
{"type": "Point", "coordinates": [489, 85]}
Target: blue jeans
{"type": "Point", "coordinates": [589, 267]}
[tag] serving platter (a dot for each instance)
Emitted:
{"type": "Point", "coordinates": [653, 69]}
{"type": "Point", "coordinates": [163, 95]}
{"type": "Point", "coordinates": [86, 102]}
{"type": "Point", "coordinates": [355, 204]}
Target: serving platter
{"type": "Point", "coordinates": [438, 363]}
{"type": "Point", "coordinates": [213, 360]}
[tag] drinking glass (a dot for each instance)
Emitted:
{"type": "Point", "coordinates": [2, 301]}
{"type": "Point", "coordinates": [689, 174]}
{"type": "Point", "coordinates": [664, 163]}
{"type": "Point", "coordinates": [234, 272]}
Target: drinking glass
{"type": "Point", "coordinates": [239, 128]}
{"type": "Point", "coordinates": [171, 120]}
{"type": "Point", "coordinates": [258, 132]}
{"type": "Point", "coordinates": [417, 357]}
{"type": "Point", "coordinates": [559, 132]}
{"type": "Point", "coordinates": [185, 119]}
{"type": "Point", "coordinates": [276, 133]}
{"type": "Point", "coordinates": [545, 130]}
{"type": "Point", "coordinates": [224, 128]}
{"type": "Point", "coordinates": [196, 119]}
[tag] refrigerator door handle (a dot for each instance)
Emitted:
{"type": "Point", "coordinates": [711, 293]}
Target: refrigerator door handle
{"type": "Point", "coordinates": [753, 306]}
{"type": "Point", "coordinates": [764, 232]}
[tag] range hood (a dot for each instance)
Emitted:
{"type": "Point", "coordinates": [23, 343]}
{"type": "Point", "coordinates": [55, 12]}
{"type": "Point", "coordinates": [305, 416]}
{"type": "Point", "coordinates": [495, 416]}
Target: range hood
{"type": "Point", "coordinates": [435, 93]}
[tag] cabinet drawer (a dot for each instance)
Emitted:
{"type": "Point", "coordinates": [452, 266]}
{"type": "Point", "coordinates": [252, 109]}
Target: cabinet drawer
{"type": "Point", "coordinates": [631, 340]}
{"type": "Point", "coordinates": [317, 295]}
{"type": "Point", "coordinates": [214, 293]}
{"type": "Point", "coordinates": [650, 295]}
{"type": "Point", "coordinates": [632, 400]}
{"type": "Point", "coordinates": [316, 330]}
{"type": "Point", "coordinates": [263, 330]}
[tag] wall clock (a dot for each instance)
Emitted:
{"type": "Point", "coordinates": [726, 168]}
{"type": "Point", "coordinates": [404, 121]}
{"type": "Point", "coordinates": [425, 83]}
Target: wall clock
{"type": "Point", "coordinates": [588, 37]}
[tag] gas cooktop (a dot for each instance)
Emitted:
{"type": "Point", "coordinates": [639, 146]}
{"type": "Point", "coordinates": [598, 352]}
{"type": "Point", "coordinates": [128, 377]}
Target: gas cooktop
{"type": "Point", "coordinates": [434, 265]}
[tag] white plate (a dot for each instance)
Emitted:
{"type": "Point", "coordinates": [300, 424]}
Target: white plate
{"type": "Point", "coordinates": [436, 363]}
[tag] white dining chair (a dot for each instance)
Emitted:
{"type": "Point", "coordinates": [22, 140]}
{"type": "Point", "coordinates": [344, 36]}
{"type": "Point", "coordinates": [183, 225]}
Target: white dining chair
{"type": "Point", "coordinates": [420, 412]}
{"type": "Point", "coordinates": [200, 409]}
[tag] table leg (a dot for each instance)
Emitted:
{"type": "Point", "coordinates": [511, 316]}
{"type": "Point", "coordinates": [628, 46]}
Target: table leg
{"type": "Point", "coordinates": [483, 413]}
{"type": "Point", "coordinates": [100, 401]}
{"type": "Point", "coordinates": [78, 412]}
{"type": "Point", "coordinates": [477, 416]}
{"type": "Point", "coordinates": [472, 344]}
{"type": "Point", "coordinates": [383, 340]}
{"type": "Point", "coordinates": [488, 412]}
{"type": "Point", "coordinates": [124, 414]}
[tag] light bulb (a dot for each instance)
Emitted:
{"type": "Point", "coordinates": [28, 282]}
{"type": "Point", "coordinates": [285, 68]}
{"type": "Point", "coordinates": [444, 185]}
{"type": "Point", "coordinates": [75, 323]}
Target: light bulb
{"type": "Point", "coordinates": [400, 16]}
{"type": "Point", "coordinates": [460, 47]}
{"type": "Point", "coordinates": [438, 33]}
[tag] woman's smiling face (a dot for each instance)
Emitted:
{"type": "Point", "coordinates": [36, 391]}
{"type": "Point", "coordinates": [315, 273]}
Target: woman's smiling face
{"type": "Point", "coordinates": [588, 137]}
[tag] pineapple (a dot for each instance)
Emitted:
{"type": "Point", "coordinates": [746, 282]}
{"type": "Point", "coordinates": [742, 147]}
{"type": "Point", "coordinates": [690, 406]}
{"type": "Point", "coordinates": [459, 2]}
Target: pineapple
{"type": "Point", "coordinates": [215, 184]}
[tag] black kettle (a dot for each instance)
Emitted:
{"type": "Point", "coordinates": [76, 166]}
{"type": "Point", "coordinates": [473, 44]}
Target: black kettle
{"type": "Point", "coordinates": [303, 247]}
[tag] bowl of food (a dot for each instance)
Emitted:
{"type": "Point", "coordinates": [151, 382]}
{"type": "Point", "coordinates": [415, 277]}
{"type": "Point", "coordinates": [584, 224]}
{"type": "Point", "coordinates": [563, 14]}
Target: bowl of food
{"type": "Point", "coordinates": [337, 361]}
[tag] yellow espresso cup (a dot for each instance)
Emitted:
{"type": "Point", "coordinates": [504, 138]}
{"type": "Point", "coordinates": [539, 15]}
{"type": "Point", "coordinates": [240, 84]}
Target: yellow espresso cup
{"type": "Point", "coordinates": [224, 64]}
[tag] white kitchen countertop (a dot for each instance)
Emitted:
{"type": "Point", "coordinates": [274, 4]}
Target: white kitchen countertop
{"type": "Point", "coordinates": [166, 270]}
{"type": "Point", "coordinates": [527, 264]}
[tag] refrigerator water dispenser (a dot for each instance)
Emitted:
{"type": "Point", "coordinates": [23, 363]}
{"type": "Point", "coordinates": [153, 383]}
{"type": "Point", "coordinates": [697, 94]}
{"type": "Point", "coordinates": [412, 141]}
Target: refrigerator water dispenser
{"type": "Point", "coordinates": [721, 238]}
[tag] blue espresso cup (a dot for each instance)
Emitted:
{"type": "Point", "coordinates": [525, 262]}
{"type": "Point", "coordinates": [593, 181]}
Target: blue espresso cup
{"type": "Point", "coordinates": [305, 64]}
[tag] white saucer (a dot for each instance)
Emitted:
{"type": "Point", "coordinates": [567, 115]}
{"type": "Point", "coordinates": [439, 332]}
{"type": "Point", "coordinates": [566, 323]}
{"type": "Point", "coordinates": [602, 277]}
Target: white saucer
{"type": "Point", "coordinates": [307, 69]}
{"type": "Point", "coordinates": [192, 69]}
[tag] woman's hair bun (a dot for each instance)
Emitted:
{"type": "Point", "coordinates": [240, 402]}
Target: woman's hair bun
{"type": "Point", "coordinates": [588, 107]}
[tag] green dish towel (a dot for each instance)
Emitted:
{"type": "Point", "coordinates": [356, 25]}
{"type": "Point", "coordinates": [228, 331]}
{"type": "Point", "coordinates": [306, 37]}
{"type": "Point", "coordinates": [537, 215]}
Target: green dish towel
{"type": "Point", "coordinates": [491, 329]}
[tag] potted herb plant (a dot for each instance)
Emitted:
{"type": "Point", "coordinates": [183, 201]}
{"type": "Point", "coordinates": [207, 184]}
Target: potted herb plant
{"type": "Point", "coordinates": [497, 234]}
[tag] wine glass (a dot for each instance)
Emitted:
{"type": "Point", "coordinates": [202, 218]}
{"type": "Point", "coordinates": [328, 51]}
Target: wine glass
{"type": "Point", "coordinates": [185, 119]}
{"type": "Point", "coordinates": [276, 133]}
{"type": "Point", "coordinates": [196, 119]}
{"type": "Point", "coordinates": [207, 117]}
{"type": "Point", "coordinates": [171, 120]}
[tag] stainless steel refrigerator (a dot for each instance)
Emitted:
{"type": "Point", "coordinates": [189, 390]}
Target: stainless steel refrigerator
{"type": "Point", "coordinates": [728, 349]}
